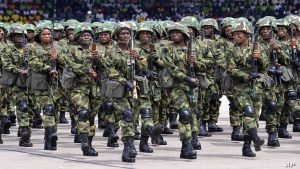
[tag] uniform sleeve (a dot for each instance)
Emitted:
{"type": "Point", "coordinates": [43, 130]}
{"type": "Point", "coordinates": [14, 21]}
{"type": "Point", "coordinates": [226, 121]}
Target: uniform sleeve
{"type": "Point", "coordinates": [112, 66]}
{"type": "Point", "coordinates": [77, 68]}
{"type": "Point", "coordinates": [7, 61]}
{"type": "Point", "coordinates": [233, 69]}
{"type": "Point", "coordinates": [36, 64]}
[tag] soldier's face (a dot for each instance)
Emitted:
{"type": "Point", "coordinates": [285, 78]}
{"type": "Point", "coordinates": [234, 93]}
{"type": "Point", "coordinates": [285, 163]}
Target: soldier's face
{"type": "Point", "coordinates": [57, 35]}
{"type": "Point", "coordinates": [176, 36]}
{"type": "Point", "coordinates": [265, 32]}
{"type": "Point", "coordinates": [208, 30]}
{"type": "Point", "coordinates": [124, 36]}
{"type": "Point", "coordinates": [227, 32]}
{"type": "Point", "coordinates": [104, 37]}
{"type": "Point", "coordinates": [85, 39]}
{"type": "Point", "coordinates": [30, 34]}
{"type": "Point", "coordinates": [18, 39]}
{"type": "Point", "coordinates": [239, 37]}
{"type": "Point", "coordinates": [71, 35]}
{"type": "Point", "coordinates": [45, 36]}
{"type": "Point", "coordinates": [145, 37]}
{"type": "Point", "coordinates": [293, 26]}
{"type": "Point", "coordinates": [1, 33]}
{"type": "Point", "coordinates": [282, 32]}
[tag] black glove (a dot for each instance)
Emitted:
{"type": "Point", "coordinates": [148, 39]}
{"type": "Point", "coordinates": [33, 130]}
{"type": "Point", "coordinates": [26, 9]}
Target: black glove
{"type": "Point", "coordinates": [253, 76]}
{"type": "Point", "coordinates": [150, 75]}
{"type": "Point", "coordinates": [129, 85]}
{"type": "Point", "coordinates": [190, 82]}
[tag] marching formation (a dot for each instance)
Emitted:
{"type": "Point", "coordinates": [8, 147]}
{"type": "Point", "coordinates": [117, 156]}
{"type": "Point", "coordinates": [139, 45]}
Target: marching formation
{"type": "Point", "coordinates": [159, 74]}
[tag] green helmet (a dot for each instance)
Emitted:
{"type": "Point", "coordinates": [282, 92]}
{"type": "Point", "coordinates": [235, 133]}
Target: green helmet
{"type": "Point", "coordinates": [71, 22]}
{"type": "Point", "coordinates": [243, 19]}
{"type": "Point", "coordinates": [4, 27]}
{"type": "Point", "coordinates": [266, 21]}
{"type": "Point", "coordinates": [105, 27]}
{"type": "Point", "coordinates": [39, 28]}
{"type": "Point", "coordinates": [282, 22]}
{"type": "Point", "coordinates": [120, 26]}
{"type": "Point", "coordinates": [79, 29]}
{"type": "Point", "coordinates": [96, 25]}
{"type": "Point", "coordinates": [71, 27]}
{"type": "Point", "coordinates": [241, 26]}
{"type": "Point", "coordinates": [29, 26]}
{"type": "Point", "coordinates": [210, 22]}
{"type": "Point", "coordinates": [159, 29]}
{"type": "Point", "coordinates": [190, 21]}
{"type": "Point", "coordinates": [58, 27]}
{"type": "Point", "coordinates": [149, 23]}
{"type": "Point", "coordinates": [228, 21]}
{"type": "Point", "coordinates": [167, 23]}
{"type": "Point", "coordinates": [133, 25]}
{"type": "Point", "coordinates": [17, 29]}
{"type": "Point", "coordinates": [143, 27]}
{"type": "Point", "coordinates": [296, 21]}
{"type": "Point", "coordinates": [179, 27]}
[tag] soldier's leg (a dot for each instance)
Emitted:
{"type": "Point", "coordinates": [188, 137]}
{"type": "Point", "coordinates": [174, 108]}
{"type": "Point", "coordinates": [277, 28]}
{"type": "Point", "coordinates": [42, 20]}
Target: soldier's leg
{"type": "Point", "coordinates": [214, 105]}
{"type": "Point", "coordinates": [205, 115]}
{"type": "Point", "coordinates": [160, 117]}
{"type": "Point", "coordinates": [180, 103]}
{"type": "Point", "coordinates": [110, 122]}
{"type": "Point", "coordinates": [5, 123]}
{"type": "Point", "coordinates": [235, 120]}
{"type": "Point", "coordinates": [95, 103]}
{"type": "Point", "coordinates": [11, 107]}
{"type": "Point", "coordinates": [295, 105]}
{"type": "Point", "coordinates": [124, 110]}
{"type": "Point", "coordinates": [136, 121]}
{"type": "Point", "coordinates": [101, 118]}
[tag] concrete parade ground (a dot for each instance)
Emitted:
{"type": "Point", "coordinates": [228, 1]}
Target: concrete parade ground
{"type": "Point", "coordinates": [218, 152]}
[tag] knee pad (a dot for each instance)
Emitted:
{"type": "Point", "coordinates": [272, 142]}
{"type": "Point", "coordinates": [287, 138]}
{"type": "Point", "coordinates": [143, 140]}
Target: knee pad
{"type": "Point", "coordinates": [249, 111]}
{"type": "Point", "coordinates": [185, 116]}
{"type": "Point", "coordinates": [146, 113]}
{"type": "Point", "coordinates": [22, 106]}
{"type": "Point", "coordinates": [271, 107]}
{"type": "Point", "coordinates": [83, 115]}
{"type": "Point", "coordinates": [291, 95]}
{"type": "Point", "coordinates": [127, 115]}
{"type": "Point", "coordinates": [48, 110]}
{"type": "Point", "coordinates": [108, 107]}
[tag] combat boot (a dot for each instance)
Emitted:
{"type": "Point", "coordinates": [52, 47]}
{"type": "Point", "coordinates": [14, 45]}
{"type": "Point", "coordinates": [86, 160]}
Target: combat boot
{"type": "Point", "coordinates": [236, 135]}
{"type": "Point", "coordinates": [256, 139]}
{"type": "Point", "coordinates": [13, 118]}
{"type": "Point", "coordinates": [160, 141]}
{"type": "Point", "coordinates": [73, 126]}
{"type": "Point", "coordinates": [37, 120]}
{"type": "Point", "coordinates": [282, 132]}
{"type": "Point", "coordinates": [144, 147]}
{"type": "Point", "coordinates": [247, 147]}
{"type": "Point", "coordinates": [50, 139]}
{"type": "Point", "coordinates": [173, 121]}
{"type": "Point", "coordinates": [1, 141]}
{"type": "Point", "coordinates": [5, 124]}
{"type": "Point", "coordinates": [62, 118]}
{"type": "Point", "coordinates": [154, 133]}
{"type": "Point", "coordinates": [77, 138]}
{"type": "Point", "coordinates": [90, 139]}
{"type": "Point", "coordinates": [262, 116]}
{"type": "Point", "coordinates": [187, 150]}
{"type": "Point", "coordinates": [273, 140]}
{"type": "Point", "coordinates": [203, 131]}
{"type": "Point", "coordinates": [296, 126]}
{"type": "Point", "coordinates": [166, 130]}
{"type": "Point", "coordinates": [137, 133]}
{"type": "Point", "coordinates": [195, 142]}
{"type": "Point", "coordinates": [113, 137]}
{"type": "Point", "coordinates": [291, 119]}
{"type": "Point", "coordinates": [129, 153]}
{"type": "Point", "coordinates": [213, 127]}
{"type": "Point", "coordinates": [101, 122]}
{"type": "Point", "coordinates": [85, 146]}
{"type": "Point", "coordinates": [25, 137]}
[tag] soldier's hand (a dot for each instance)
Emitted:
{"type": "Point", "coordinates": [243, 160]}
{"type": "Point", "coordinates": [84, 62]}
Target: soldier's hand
{"type": "Point", "coordinates": [192, 59]}
{"type": "Point", "coordinates": [133, 54]}
{"type": "Point", "coordinates": [274, 44]}
{"type": "Point", "coordinates": [256, 54]}
{"type": "Point", "coordinates": [192, 82]}
{"type": "Point", "coordinates": [23, 72]}
{"type": "Point", "coordinates": [53, 54]}
{"type": "Point", "coordinates": [93, 74]}
{"type": "Point", "coordinates": [294, 43]}
{"type": "Point", "coordinates": [53, 73]}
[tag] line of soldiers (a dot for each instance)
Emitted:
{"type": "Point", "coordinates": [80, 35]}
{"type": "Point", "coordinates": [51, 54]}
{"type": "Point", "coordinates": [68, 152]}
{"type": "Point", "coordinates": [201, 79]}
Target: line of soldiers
{"type": "Point", "coordinates": [129, 73]}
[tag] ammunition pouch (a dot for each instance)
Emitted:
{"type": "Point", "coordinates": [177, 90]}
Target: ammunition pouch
{"type": "Point", "coordinates": [37, 81]}
{"type": "Point", "coordinates": [112, 89]}
{"type": "Point", "coordinates": [287, 75]}
{"type": "Point", "coordinates": [203, 80]}
{"type": "Point", "coordinates": [68, 79]}
{"type": "Point", "coordinates": [143, 85]}
{"type": "Point", "coordinates": [22, 81]}
{"type": "Point", "coordinates": [8, 78]}
{"type": "Point", "coordinates": [165, 79]}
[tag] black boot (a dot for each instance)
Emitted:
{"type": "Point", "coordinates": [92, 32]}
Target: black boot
{"type": "Point", "coordinates": [262, 116]}
{"type": "Point", "coordinates": [282, 132]}
{"type": "Point", "coordinates": [90, 138]}
{"type": "Point", "coordinates": [137, 133]}
{"type": "Point", "coordinates": [291, 119]}
{"type": "Point", "coordinates": [25, 137]}
{"type": "Point", "coordinates": [187, 150]}
{"type": "Point", "coordinates": [203, 131]}
{"type": "Point", "coordinates": [173, 121]}
{"type": "Point", "coordinates": [50, 139]}
{"type": "Point", "coordinates": [129, 153]}
{"type": "Point", "coordinates": [37, 120]}
{"type": "Point", "coordinates": [166, 130]}
{"type": "Point", "coordinates": [6, 124]}
{"type": "Point", "coordinates": [273, 140]}
{"type": "Point", "coordinates": [85, 146]}
{"type": "Point", "coordinates": [13, 118]}
{"type": "Point", "coordinates": [73, 126]}
{"type": "Point", "coordinates": [62, 118]}
{"type": "Point", "coordinates": [19, 132]}
{"type": "Point", "coordinates": [101, 123]}
{"type": "Point", "coordinates": [213, 127]}
{"type": "Point", "coordinates": [247, 147]}
{"type": "Point", "coordinates": [1, 130]}
{"type": "Point", "coordinates": [144, 147]}
{"type": "Point", "coordinates": [113, 137]}
{"type": "Point", "coordinates": [195, 142]}
{"type": "Point", "coordinates": [155, 133]}
{"type": "Point", "coordinates": [256, 139]}
{"type": "Point", "coordinates": [296, 126]}
{"type": "Point", "coordinates": [236, 135]}
{"type": "Point", "coordinates": [160, 141]}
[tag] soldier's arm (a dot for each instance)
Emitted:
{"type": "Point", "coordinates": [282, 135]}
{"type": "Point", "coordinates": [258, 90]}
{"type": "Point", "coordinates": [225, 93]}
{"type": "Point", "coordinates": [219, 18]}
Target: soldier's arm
{"type": "Point", "coordinates": [233, 68]}
{"type": "Point", "coordinates": [36, 64]}
{"type": "Point", "coordinates": [283, 55]}
{"type": "Point", "coordinates": [200, 65]}
{"type": "Point", "coordinates": [77, 68]}
{"type": "Point", "coordinates": [113, 72]}
{"type": "Point", "coordinates": [7, 61]}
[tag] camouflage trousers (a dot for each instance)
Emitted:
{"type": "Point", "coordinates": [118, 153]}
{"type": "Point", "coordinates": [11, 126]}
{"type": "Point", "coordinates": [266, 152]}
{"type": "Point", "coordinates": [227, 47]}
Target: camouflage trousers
{"type": "Point", "coordinates": [179, 100]}
{"type": "Point", "coordinates": [19, 95]}
{"type": "Point", "coordinates": [145, 103]}
{"type": "Point", "coordinates": [272, 116]}
{"type": "Point", "coordinates": [60, 100]}
{"type": "Point", "coordinates": [7, 106]}
{"type": "Point", "coordinates": [234, 114]}
{"type": "Point", "coordinates": [86, 97]}
{"type": "Point", "coordinates": [211, 104]}
{"type": "Point", "coordinates": [162, 112]}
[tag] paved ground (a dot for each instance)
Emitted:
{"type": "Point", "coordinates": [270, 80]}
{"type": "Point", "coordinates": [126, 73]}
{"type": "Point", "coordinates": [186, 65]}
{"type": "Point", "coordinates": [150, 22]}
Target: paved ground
{"type": "Point", "coordinates": [218, 152]}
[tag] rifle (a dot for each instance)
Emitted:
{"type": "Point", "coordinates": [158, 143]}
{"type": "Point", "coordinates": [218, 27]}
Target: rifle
{"type": "Point", "coordinates": [294, 56]}
{"type": "Point", "coordinates": [132, 67]}
{"type": "Point", "coordinates": [253, 65]}
{"type": "Point", "coordinates": [192, 74]}
{"type": "Point", "coordinates": [94, 63]}
{"type": "Point", "coordinates": [53, 63]}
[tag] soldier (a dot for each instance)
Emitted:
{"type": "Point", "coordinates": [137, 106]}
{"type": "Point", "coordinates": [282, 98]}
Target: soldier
{"type": "Point", "coordinates": [30, 32]}
{"type": "Point", "coordinates": [15, 64]}
{"type": "Point", "coordinates": [85, 63]}
{"type": "Point", "coordinates": [242, 58]}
